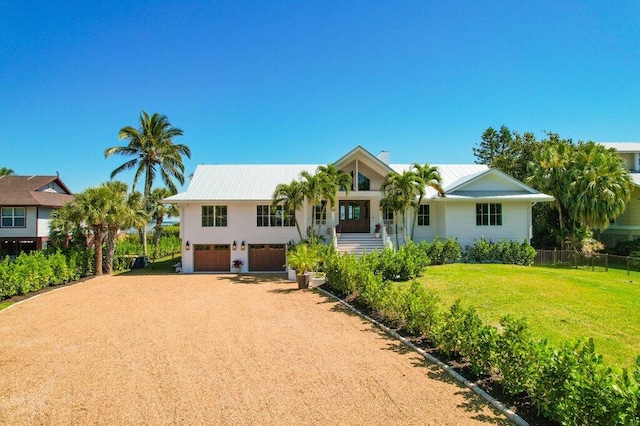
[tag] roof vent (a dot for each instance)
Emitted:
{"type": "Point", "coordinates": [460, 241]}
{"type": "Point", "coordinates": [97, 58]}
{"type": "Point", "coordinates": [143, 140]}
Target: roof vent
{"type": "Point", "coordinates": [384, 156]}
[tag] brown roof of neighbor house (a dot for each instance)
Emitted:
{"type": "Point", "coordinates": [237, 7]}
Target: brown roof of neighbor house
{"type": "Point", "coordinates": [25, 191]}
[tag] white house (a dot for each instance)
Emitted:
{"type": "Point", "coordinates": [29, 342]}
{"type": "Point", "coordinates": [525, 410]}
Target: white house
{"type": "Point", "coordinates": [225, 214]}
{"type": "Point", "coordinates": [26, 203]}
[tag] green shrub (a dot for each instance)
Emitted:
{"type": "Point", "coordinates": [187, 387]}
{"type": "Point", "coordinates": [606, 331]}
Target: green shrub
{"type": "Point", "coordinates": [504, 251]}
{"type": "Point", "coordinates": [421, 311]}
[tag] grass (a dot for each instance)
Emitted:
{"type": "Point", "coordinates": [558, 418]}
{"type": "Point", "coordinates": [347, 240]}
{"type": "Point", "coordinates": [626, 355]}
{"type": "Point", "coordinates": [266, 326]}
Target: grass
{"type": "Point", "coordinates": [5, 304]}
{"type": "Point", "coordinates": [160, 266]}
{"type": "Point", "coordinates": [559, 304]}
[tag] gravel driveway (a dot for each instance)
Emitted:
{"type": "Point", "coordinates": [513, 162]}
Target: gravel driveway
{"type": "Point", "coordinates": [208, 349]}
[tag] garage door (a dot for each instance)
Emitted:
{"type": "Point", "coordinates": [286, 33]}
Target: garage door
{"type": "Point", "coordinates": [212, 257]}
{"type": "Point", "coordinates": [267, 257]}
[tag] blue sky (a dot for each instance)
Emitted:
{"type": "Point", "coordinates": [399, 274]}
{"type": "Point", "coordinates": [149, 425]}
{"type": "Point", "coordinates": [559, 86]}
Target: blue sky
{"type": "Point", "coordinates": [305, 81]}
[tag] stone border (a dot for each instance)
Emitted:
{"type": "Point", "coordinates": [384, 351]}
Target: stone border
{"type": "Point", "coordinates": [513, 417]}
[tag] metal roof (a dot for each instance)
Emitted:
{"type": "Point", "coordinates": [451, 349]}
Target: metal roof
{"type": "Point", "coordinates": [622, 146]}
{"type": "Point", "coordinates": [250, 182]}
{"type": "Point", "coordinates": [499, 195]}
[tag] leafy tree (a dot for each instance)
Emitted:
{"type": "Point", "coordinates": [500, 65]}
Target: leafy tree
{"type": "Point", "coordinates": [155, 152]}
{"type": "Point", "coordinates": [508, 151]}
{"type": "Point", "coordinates": [430, 177]}
{"type": "Point", "coordinates": [5, 171]}
{"type": "Point", "coordinates": [291, 196]}
{"type": "Point", "coordinates": [493, 144]}
{"type": "Point", "coordinates": [589, 182]}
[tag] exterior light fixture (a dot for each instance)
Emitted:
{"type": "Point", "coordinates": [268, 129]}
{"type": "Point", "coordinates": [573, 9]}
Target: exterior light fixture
{"type": "Point", "coordinates": [243, 245]}
{"type": "Point", "coordinates": [234, 245]}
{"type": "Point", "coordinates": [187, 246]}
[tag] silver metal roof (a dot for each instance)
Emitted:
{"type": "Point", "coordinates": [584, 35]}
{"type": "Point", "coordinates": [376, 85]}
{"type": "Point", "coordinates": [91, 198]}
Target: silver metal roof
{"type": "Point", "coordinates": [623, 146]}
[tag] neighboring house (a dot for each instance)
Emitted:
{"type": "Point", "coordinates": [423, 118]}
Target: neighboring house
{"type": "Point", "coordinates": [626, 226]}
{"type": "Point", "coordinates": [225, 213]}
{"type": "Point", "coordinates": [26, 203]}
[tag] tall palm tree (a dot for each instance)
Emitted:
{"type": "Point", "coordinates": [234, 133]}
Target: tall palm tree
{"type": "Point", "coordinates": [428, 176]}
{"type": "Point", "coordinates": [312, 190]}
{"type": "Point", "coordinates": [331, 180]}
{"type": "Point", "coordinates": [399, 194]}
{"type": "Point", "coordinates": [5, 171]}
{"type": "Point", "coordinates": [291, 196]}
{"type": "Point", "coordinates": [154, 151]}
{"type": "Point", "coordinates": [159, 210]}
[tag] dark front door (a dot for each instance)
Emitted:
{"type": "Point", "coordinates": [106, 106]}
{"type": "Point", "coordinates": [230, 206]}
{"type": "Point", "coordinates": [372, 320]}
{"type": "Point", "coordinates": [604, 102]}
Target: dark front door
{"type": "Point", "coordinates": [354, 216]}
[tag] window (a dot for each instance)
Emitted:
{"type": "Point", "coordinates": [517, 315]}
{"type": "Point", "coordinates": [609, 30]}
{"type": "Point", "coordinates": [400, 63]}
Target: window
{"type": "Point", "coordinates": [423, 215]}
{"type": "Point", "coordinates": [320, 213]}
{"type": "Point", "coordinates": [266, 216]}
{"type": "Point", "coordinates": [214, 216]}
{"type": "Point", "coordinates": [488, 214]}
{"type": "Point", "coordinates": [388, 215]}
{"type": "Point", "coordinates": [262, 214]}
{"type": "Point", "coordinates": [13, 217]}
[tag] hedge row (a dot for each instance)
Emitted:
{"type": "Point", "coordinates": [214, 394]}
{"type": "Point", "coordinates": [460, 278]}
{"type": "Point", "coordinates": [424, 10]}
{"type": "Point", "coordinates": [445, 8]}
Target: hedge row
{"type": "Point", "coordinates": [569, 384]}
{"type": "Point", "coordinates": [34, 271]}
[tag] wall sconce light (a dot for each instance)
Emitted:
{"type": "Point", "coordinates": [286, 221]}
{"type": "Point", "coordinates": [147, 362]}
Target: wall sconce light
{"type": "Point", "coordinates": [187, 246]}
{"type": "Point", "coordinates": [234, 245]}
{"type": "Point", "coordinates": [243, 245]}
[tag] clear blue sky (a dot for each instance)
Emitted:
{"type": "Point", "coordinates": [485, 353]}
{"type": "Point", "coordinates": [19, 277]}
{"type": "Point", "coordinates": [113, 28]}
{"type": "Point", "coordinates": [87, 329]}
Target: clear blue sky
{"type": "Point", "coordinates": [305, 81]}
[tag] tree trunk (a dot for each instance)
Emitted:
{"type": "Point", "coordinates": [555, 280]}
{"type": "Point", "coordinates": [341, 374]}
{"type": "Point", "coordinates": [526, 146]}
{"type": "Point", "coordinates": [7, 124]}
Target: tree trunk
{"type": "Point", "coordinates": [415, 217]}
{"type": "Point", "coordinates": [158, 234]}
{"type": "Point", "coordinates": [97, 243]}
{"type": "Point", "coordinates": [297, 225]}
{"type": "Point", "coordinates": [397, 240]}
{"type": "Point", "coordinates": [112, 235]}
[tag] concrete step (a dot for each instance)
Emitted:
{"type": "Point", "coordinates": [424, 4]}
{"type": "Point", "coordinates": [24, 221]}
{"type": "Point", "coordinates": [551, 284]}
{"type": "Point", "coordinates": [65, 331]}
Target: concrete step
{"type": "Point", "coordinates": [359, 243]}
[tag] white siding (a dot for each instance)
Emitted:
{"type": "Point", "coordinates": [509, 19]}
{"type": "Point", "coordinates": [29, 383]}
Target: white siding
{"type": "Point", "coordinates": [435, 228]}
{"type": "Point", "coordinates": [492, 182]}
{"type": "Point", "coordinates": [461, 223]}
{"type": "Point", "coordinates": [44, 218]}
{"type": "Point", "coordinates": [241, 226]}
{"type": "Point", "coordinates": [28, 232]}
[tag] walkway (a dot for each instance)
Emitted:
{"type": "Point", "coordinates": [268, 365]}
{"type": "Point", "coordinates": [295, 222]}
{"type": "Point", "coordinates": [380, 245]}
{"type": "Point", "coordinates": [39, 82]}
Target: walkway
{"type": "Point", "coordinates": [204, 349]}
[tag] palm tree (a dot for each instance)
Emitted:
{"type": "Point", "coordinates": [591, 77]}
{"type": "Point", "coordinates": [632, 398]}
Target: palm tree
{"type": "Point", "coordinates": [5, 171]}
{"type": "Point", "coordinates": [600, 186]}
{"type": "Point", "coordinates": [92, 205]}
{"type": "Point", "coordinates": [159, 210]}
{"type": "Point", "coordinates": [429, 176]}
{"type": "Point", "coordinates": [398, 194]}
{"type": "Point", "coordinates": [155, 152]}
{"type": "Point", "coordinates": [312, 190]}
{"type": "Point", "coordinates": [291, 196]}
{"type": "Point", "coordinates": [331, 180]}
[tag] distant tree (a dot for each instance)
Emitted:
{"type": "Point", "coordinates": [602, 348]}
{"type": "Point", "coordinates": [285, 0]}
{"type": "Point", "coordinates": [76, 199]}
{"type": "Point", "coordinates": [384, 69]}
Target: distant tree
{"type": "Point", "coordinates": [155, 152]}
{"type": "Point", "coordinates": [430, 177]}
{"type": "Point", "coordinates": [493, 144]}
{"type": "Point", "coordinates": [5, 171]}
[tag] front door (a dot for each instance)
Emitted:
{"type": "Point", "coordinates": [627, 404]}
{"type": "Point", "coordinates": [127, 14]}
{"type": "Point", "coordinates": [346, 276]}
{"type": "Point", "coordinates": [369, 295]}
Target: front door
{"type": "Point", "coordinates": [354, 216]}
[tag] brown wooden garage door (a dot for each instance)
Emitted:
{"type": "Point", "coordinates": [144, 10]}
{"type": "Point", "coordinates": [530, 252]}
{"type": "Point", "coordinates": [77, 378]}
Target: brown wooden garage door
{"type": "Point", "coordinates": [267, 257]}
{"type": "Point", "coordinates": [212, 257]}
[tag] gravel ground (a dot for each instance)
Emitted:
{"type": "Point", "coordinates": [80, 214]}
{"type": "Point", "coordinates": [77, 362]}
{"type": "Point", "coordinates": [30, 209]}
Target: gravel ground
{"type": "Point", "coordinates": [208, 349]}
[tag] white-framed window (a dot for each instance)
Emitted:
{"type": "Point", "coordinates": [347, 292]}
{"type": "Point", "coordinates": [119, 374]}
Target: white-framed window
{"type": "Point", "coordinates": [320, 213]}
{"type": "Point", "coordinates": [423, 215]}
{"type": "Point", "coordinates": [13, 217]}
{"type": "Point", "coordinates": [489, 214]}
{"type": "Point", "coordinates": [214, 216]}
{"type": "Point", "coordinates": [267, 216]}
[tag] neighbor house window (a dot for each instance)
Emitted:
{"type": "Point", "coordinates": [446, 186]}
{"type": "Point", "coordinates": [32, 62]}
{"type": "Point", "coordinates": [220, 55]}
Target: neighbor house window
{"type": "Point", "coordinates": [320, 213]}
{"type": "Point", "coordinates": [423, 215]}
{"type": "Point", "coordinates": [214, 216]}
{"type": "Point", "coordinates": [267, 216]}
{"type": "Point", "coordinates": [489, 214]}
{"type": "Point", "coordinates": [13, 217]}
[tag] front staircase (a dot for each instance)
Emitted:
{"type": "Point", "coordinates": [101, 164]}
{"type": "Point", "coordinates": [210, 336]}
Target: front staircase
{"type": "Point", "coordinates": [359, 243]}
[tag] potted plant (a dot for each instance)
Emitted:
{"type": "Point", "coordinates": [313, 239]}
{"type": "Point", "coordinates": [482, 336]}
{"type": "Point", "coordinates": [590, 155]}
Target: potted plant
{"type": "Point", "coordinates": [377, 230]}
{"type": "Point", "coordinates": [237, 265]}
{"type": "Point", "coordinates": [304, 259]}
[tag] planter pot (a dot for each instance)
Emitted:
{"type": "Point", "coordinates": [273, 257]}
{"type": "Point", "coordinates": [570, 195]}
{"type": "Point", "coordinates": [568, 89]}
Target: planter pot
{"type": "Point", "coordinates": [317, 281]}
{"type": "Point", "coordinates": [303, 281]}
{"type": "Point", "coordinates": [377, 234]}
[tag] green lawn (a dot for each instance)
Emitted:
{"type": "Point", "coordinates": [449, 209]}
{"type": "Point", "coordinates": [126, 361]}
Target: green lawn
{"type": "Point", "coordinates": [559, 304]}
{"type": "Point", "coordinates": [160, 266]}
{"type": "Point", "coordinates": [5, 304]}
